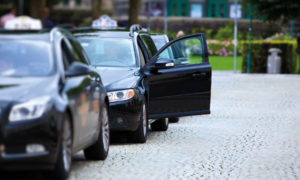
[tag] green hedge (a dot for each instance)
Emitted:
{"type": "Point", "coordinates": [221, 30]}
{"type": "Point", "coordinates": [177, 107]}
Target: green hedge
{"type": "Point", "coordinates": [259, 55]}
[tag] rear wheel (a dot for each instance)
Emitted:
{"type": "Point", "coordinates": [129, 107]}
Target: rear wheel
{"type": "Point", "coordinates": [99, 150]}
{"type": "Point", "coordinates": [160, 125]}
{"type": "Point", "coordinates": [64, 161]}
{"type": "Point", "coordinates": [140, 135]}
{"type": "Point", "coordinates": [174, 120]}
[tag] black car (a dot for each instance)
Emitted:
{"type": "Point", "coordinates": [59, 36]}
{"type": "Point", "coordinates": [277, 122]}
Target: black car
{"type": "Point", "coordinates": [143, 84]}
{"type": "Point", "coordinates": [52, 104]}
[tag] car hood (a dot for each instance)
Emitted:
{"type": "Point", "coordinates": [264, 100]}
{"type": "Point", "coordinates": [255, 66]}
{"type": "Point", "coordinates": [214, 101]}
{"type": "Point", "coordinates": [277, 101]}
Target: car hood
{"type": "Point", "coordinates": [26, 88]}
{"type": "Point", "coordinates": [115, 78]}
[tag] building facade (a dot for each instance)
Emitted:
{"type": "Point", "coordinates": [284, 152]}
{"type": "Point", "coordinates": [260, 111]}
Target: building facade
{"type": "Point", "coordinates": [185, 8]}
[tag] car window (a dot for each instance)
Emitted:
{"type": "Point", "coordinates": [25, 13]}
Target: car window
{"type": "Point", "coordinates": [142, 57]}
{"type": "Point", "coordinates": [159, 42]}
{"type": "Point", "coordinates": [149, 45]}
{"type": "Point", "coordinates": [76, 51]}
{"type": "Point", "coordinates": [25, 58]}
{"type": "Point", "coordinates": [66, 55]}
{"type": "Point", "coordinates": [114, 52]}
{"type": "Point", "coordinates": [185, 52]}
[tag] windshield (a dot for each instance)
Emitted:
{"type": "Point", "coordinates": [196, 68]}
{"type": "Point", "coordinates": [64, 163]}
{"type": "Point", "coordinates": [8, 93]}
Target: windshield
{"type": "Point", "coordinates": [109, 51]}
{"type": "Point", "coordinates": [25, 58]}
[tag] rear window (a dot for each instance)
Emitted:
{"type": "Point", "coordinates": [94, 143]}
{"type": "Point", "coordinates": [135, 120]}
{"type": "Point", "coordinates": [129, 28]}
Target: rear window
{"type": "Point", "coordinates": [113, 52]}
{"type": "Point", "coordinates": [25, 58]}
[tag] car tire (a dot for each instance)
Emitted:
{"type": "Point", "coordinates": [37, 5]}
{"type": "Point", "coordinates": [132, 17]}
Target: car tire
{"type": "Point", "coordinates": [140, 135]}
{"type": "Point", "coordinates": [174, 120]}
{"type": "Point", "coordinates": [64, 161]}
{"type": "Point", "coordinates": [99, 150]}
{"type": "Point", "coordinates": [160, 125]}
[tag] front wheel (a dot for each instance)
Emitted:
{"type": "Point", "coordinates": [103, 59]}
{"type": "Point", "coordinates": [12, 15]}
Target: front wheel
{"type": "Point", "coordinates": [140, 135]}
{"type": "Point", "coordinates": [160, 125]}
{"type": "Point", "coordinates": [99, 150]}
{"type": "Point", "coordinates": [64, 161]}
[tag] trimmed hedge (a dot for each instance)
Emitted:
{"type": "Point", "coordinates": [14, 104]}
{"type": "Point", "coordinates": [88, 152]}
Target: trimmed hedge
{"type": "Point", "coordinates": [259, 55]}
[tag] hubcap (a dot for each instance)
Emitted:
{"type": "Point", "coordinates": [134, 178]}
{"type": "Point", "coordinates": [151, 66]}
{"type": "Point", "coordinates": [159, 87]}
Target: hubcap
{"type": "Point", "coordinates": [105, 129]}
{"type": "Point", "coordinates": [67, 145]}
{"type": "Point", "coordinates": [144, 120]}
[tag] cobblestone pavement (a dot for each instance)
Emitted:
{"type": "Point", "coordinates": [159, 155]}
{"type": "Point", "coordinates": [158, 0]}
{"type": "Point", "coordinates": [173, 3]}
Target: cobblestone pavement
{"type": "Point", "coordinates": [253, 132]}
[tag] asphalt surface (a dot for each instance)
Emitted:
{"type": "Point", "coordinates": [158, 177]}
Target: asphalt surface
{"type": "Point", "coordinates": [253, 132]}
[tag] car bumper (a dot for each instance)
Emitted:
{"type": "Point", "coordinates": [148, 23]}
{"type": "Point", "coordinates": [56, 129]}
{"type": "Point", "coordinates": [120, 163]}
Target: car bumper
{"type": "Point", "coordinates": [125, 115]}
{"type": "Point", "coordinates": [19, 142]}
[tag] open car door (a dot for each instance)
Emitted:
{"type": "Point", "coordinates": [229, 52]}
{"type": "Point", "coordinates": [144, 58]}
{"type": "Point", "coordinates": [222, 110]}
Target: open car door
{"type": "Point", "coordinates": [179, 85]}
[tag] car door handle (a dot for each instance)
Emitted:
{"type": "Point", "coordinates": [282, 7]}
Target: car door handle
{"type": "Point", "coordinates": [202, 74]}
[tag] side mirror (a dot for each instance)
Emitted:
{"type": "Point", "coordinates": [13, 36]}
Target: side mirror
{"type": "Point", "coordinates": [77, 69]}
{"type": "Point", "coordinates": [164, 63]}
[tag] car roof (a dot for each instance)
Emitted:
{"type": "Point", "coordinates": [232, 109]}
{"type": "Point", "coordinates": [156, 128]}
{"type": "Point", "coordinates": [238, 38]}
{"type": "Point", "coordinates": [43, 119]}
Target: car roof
{"type": "Point", "coordinates": [117, 33]}
{"type": "Point", "coordinates": [43, 35]}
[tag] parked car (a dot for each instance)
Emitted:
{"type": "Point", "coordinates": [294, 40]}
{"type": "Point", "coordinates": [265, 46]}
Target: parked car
{"type": "Point", "coordinates": [144, 86]}
{"type": "Point", "coordinates": [52, 104]}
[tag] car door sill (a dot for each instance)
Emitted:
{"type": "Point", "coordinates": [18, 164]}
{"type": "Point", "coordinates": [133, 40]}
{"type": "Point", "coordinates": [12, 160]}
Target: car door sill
{"type": "Point", "coordinates": [178, 114]}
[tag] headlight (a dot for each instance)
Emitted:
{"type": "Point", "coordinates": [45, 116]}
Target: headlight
{"type": "Point", "coordinates": [29, 110]}
{"type": "Point", "coordinates": [120, 95]}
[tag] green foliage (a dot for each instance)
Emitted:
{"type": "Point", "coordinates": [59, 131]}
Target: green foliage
{"type": "Point", "coordinates": [206, 31]}
{"type": "Point", "coordinates": [226, 32]}
{"type": "Point", "coordinates": [259, 55]}
{"type": "Point", "coordinates": [274, 9]}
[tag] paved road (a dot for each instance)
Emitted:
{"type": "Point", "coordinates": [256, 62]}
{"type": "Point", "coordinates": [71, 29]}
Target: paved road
{"type": "Point", "coordinates": [253, 132]}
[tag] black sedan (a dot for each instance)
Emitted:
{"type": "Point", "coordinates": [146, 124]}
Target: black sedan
{"type": "Point", "coordinates": [52, 104]}
{"type": "Point", "coordinates": [145, 85]}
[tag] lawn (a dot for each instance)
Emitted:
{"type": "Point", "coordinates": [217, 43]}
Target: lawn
{"type": "Point", "coordinates": [225, 62]}
{"type": "Point", "coordinates": [222, 62]}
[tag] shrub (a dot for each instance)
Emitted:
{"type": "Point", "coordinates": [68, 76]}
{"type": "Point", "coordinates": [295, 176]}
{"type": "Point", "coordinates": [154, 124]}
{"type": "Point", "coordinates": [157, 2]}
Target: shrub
{"type": "Point", "coordinates": [259, 55]}
{"type": "Point", "coordinates": [222, 48]}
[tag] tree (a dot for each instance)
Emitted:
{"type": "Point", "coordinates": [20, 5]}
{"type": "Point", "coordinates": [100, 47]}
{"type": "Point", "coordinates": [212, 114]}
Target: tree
{"type": "Point", "coordinates": [37, 9]}
{"type": "Point", "coordinates": [96, 8]}
{"type": "Point", "coordinates": [274, 10]}
{"type": "Point", "coordinates": [134, 6]}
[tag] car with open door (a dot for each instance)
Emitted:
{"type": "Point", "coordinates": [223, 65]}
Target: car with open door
{"type": "Point", "coordinates": [52, 103]}
{"type": "Point", "coordinates": [143, 84]}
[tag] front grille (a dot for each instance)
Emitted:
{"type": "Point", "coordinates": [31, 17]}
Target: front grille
{"type": "Point", "coordinates": [4, 108]}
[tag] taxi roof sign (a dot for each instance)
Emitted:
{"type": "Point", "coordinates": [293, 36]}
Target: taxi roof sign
{"type": "Point", "coordinates": [104, 22]}
{"type": "Point", "coordinates": [23, 23]}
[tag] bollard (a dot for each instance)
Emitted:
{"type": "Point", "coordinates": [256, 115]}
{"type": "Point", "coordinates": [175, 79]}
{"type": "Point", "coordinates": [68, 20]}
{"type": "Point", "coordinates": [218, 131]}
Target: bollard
{"type": "Point", "coordinates": [274, 61]}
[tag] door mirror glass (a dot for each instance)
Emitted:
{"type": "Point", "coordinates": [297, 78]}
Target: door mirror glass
{"type": "Point", "coordinates": [77, 69]}
{"type": "Point", "coordinates": [164, 63]}
{"type": "Point", "coordinates": [184, 52]}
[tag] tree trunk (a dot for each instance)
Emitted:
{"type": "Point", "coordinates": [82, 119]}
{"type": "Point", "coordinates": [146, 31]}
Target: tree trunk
{"type": "Point", "coordinates": [37, 10]}
{"type": "Point", "coordinates": [97, 8]}
{"type": "Point", "coordinates": [134, 6]}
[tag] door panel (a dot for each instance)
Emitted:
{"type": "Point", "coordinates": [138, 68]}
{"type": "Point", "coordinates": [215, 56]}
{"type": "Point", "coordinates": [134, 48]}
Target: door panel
{"type": "Point", "coordinates": [82, 93]}
{"type": "Point", "coordinates": [184, 89]}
